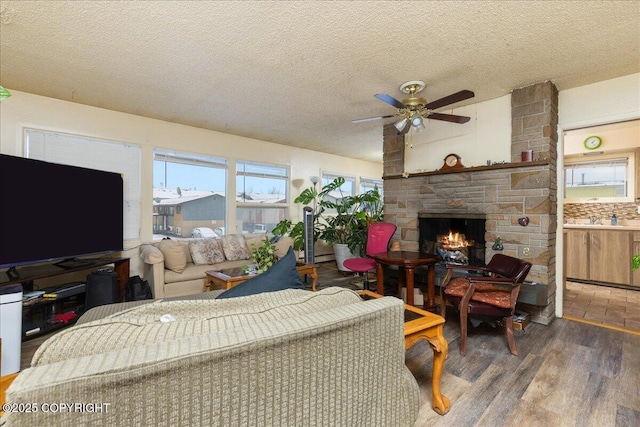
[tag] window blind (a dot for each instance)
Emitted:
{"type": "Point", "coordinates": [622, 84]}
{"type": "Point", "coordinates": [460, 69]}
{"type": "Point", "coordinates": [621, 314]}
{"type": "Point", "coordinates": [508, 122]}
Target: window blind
{"type": "Point", "coordinates": [96, 154]}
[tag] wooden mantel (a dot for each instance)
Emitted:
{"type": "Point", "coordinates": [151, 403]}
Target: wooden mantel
{"type": "Point", "coordinates": [471, 169]}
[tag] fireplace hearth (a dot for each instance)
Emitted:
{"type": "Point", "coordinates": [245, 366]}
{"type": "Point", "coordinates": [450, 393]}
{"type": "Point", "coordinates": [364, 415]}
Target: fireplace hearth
{"type": "Point", "coordinates": [458, 238]}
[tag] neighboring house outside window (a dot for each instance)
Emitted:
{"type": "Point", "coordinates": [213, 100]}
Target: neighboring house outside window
{"type": "Point", "coordinates": [188, 192]}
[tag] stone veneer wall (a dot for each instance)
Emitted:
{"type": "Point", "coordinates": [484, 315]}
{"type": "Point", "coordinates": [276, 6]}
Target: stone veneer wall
{"type": "Point", "coordinates": [503, 193]}
{"type": "Point", "coordinates": [624, 211]}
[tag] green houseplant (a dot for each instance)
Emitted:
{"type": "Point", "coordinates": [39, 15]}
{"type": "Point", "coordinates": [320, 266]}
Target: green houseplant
{"type": "Point", "coordinates": [635, 261]}
{"type": "Point", "coordinates": [337, 218]}
{"type": "Point", "coordinates": [264, 254]}
{"type": "Point", "coordinates": [353, 214]}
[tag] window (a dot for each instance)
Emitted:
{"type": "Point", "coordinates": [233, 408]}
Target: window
{"type": "Point", "coordinates": [189, 191]}
{"type": "Point", "coordinates": [601, 179]}
{"type": "Point", "coordinates": [262, 198]}
{"type": "Point", "coordinates": [345, 190]}
{"type": "Point", "coordinates": [367, 184]}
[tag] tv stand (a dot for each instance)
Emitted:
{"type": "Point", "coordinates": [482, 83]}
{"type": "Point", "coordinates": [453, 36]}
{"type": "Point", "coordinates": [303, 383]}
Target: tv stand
{"type": "Point", "coordinates": [72, 263]}
{"type": "Point", "coordinates": [13, 273]}
{"type": "Point", "coordinates": [38, 316]}
{"type": "Point", "coordinates": [27, 274]}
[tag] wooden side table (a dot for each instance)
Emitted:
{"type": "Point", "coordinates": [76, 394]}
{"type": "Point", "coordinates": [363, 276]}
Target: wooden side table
{"type": "Point", "coordinates": [421, 324]}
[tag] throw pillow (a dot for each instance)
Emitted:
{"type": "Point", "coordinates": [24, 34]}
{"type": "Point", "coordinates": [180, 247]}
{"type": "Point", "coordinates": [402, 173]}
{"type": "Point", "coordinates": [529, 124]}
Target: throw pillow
{"type": "Point", "coordinates": [175, 255]}
{"type": "Point", "coordinates": [235, 247]}
{"type": "Point", "coordinates": [282, 245]}
{"type": "Point", "coordinates": [283, 275]}
{"type": "Point", "coordinates": [206, 251]}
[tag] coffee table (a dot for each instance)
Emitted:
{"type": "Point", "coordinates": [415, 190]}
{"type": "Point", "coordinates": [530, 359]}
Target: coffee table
{"type": "Point", "coordinates": [229, 277]}
{"type": "Point", "coordinates": [421, 324]}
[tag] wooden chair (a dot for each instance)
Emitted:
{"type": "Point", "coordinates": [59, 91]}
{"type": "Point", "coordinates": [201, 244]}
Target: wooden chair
{"type": "Point", "coordinates": [379, 235]}
{"type": "Point", "coordinates": [490, 294]}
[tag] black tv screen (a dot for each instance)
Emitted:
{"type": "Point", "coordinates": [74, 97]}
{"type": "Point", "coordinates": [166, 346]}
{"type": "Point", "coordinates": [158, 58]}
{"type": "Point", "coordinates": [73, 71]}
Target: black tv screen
{"type": "Point", "coordinates": [51, 212]}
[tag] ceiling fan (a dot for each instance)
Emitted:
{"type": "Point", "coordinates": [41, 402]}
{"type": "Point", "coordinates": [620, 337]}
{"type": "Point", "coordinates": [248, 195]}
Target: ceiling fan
{"type": "Point", "coordinates": [412, 110]}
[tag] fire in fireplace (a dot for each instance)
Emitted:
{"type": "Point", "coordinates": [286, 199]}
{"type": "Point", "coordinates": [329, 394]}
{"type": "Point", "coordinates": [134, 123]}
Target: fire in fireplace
{"type": "Point", "coordinates": [456, 238]}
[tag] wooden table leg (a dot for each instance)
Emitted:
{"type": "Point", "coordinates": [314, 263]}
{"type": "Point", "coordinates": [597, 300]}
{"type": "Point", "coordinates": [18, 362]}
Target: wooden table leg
{"type": "Point", "coordinates": [409, 283]}
{"type": "Point", "coordinates": [440, 347]}
{"type": "Point", "coordinates": [379, 279]}
{"type": "Point", "coordinates": [439, 403]}
{"type": "Point", "coordinates": [431, 287]}
{"type": "Point", "coordinates": [314, 277]}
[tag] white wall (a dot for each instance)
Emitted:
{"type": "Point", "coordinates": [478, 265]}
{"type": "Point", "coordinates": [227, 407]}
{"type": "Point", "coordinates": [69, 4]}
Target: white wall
{"type": "Point", "coordinates": [487, 136]}
{"type": "Point", "coordinates": [23, 110]}
{"type": "Point", "coordinates": [596, 104]}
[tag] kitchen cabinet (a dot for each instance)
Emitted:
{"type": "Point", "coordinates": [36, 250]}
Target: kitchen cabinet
{"type": "Point", "coordinates": [576, 254]}
{"type": "Point", "coordinates": [599, 255]}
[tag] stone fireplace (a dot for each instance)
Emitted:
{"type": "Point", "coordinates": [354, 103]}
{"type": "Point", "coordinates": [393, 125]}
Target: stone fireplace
{"type": "Point", "coordinates": [500, 194]}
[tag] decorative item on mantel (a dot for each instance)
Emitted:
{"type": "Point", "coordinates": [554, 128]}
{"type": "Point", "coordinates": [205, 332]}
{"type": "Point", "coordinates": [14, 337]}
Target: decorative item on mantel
{"type": "Point", "coordinates": [452, 161]}
{"type": "Point", "coordinates": [524, 221]}
{"type": "Point", "coordinates": [497, 245]}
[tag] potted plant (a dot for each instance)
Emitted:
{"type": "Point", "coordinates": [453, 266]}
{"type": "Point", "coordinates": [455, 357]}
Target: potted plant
{"type": "Point", "coordinates": [353, 214]}
{"type": "Point", "coordinates": [264, 255]}
{"type": "Point", "coordinates": [342, 222]}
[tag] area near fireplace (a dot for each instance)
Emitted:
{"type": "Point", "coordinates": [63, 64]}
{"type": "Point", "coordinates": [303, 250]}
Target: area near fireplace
{"type": "Point", "coordinates": [503, 194]}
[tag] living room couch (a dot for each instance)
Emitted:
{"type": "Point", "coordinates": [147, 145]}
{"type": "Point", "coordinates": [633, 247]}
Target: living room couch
{"type": "Point", "coordinates": [171, 270]}
{"type": "Point", "coordinates": [291, 357]}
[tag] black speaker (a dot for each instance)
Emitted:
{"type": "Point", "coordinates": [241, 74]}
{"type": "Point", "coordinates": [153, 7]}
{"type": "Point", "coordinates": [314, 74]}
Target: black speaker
{"type": "Point", "coordinates": [102, 289]}
{"type": "Point", "coordinates": [307, 214]}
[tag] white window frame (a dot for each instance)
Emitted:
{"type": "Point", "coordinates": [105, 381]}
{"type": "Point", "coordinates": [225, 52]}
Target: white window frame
{"type": "Point", "coordinates": [241, 204]}
{"type": "Point", "coordinates": [193, 159]}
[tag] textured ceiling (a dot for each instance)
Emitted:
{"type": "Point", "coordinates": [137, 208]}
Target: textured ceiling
{"type": "Point", "coordinates": [297, 73]}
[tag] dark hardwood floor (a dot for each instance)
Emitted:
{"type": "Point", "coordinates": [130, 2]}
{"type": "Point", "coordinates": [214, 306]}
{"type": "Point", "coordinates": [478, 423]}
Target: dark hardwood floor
{"type": "Point", "coordinates": [568, 373]}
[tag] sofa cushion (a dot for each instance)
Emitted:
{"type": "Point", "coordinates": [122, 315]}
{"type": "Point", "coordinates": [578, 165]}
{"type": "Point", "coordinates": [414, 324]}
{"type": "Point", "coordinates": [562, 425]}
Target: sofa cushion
{"type": "Point", "coordinates": [282, 245]}
{"type": "Point", "coordinates": [206, 251]}
{"type": "Point", "coordinates": [283, 275]}
{"type": "Point", "coordinates": [235, 247]}
{"type": "Point", "coordinates": [175, 255]}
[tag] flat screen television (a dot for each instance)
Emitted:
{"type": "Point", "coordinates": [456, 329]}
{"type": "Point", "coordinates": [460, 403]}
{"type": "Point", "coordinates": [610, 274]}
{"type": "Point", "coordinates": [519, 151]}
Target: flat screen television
{"type": "Point", "coordinates": [51, 212]}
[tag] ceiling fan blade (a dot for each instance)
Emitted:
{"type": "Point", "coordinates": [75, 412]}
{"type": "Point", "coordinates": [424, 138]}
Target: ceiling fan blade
{"type": "Point", "coordinates": [368, 119]}
{"type": "Point", "coordinates": [390, 100]}
{"type": "Point", "coordinates": [449, 117]}
{"type": "Point", "coordinates": [451, 99]}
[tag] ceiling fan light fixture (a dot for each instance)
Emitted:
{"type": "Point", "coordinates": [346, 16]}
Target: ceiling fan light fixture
{"type": "Point", "coordinates": [416, 121]}
{"type": "Point", "coordinates": [419, 127]}
{"type": "Point", "coordinates": [400, 125]}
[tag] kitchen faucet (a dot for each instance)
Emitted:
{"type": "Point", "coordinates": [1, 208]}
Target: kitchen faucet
{"type": "Point", "coordinates": [593, 219]}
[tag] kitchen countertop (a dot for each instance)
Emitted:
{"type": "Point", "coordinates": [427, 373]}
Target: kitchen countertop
{"type": "Point", "coordinates": [630, 225]}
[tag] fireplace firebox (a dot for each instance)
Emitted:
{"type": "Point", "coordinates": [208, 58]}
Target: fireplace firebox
{"type": "Point", "coordinates": [458, 238]}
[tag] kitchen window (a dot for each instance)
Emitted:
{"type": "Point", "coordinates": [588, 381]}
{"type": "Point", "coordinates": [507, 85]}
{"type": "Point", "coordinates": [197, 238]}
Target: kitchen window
{"type": "Point", "coordinates": [605, 178]}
